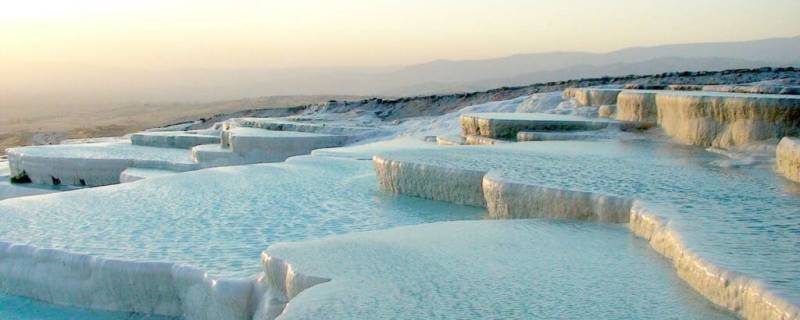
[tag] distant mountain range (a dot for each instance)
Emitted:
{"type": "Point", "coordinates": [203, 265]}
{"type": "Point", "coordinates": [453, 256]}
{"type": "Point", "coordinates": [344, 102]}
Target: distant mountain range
{"type": "Point", "coordinates": [553, 66]}
{"type": "Point", "coordinates": [88, 89]}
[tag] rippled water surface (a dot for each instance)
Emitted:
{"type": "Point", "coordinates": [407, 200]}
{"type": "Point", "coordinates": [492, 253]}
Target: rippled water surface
{"type": "Point", "coordinates": [18, 308]}
{"type": "Point", "coordinates": [108, 150]}
{"type": "Point", "coordinates": [490, 269]}
{"type": "Point", "coordinates": [745, 219]}
{"type": "Point", "coordinates": [218, 219]}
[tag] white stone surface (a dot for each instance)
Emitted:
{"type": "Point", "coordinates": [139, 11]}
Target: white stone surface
{"type": "Point", "coordinates": [94, 164]}
{"type": "Point", "coordinates": [188, 245]}
{"type": "Point", "coordinates": [788, 158]}
{"type": "Point", "coordinates": [175, 139]}
{"type": "Point", "coordinates": [607, 111]}
{"type": "Point", "coordinates": [592, 96]}
{"type": "Point", "coordinates": [450, 140]}
{"type": "Point", "coordinates": [489, 269]}
{"type": "Point", "coordinates": [638, 106]}
{"type": "Point", "coordinates": [557, 136]}
{"type": "Point", "coordinates": [136, 174]}
{"type": "Point", "coordinates": [716, 119]}
{"type": "Point", "coordinates": [253, 143]}
{"type": "Point", "coordinates": [507, 125]}
{"type": "Point", "coordinates": [352, 132]}
{"type": "Point", "coordinates": [214, 155]}
{"type": "Point", "coordinates": [606, 185]}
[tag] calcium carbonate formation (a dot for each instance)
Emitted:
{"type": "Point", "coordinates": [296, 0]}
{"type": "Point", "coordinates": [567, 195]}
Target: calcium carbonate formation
{"type": "Point", "coordinates": [592, 96]}
{"type": "Point", "coordinates": [241, 141]}
{"type": "Point", "coordinates": [788, 158]}
{"type": "Point", "coordinates": [355, 251]}
{"type": "Point", "coordinates": [508, 189]}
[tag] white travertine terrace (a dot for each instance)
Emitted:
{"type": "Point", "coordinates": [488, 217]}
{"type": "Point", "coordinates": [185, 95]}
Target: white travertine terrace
{"type": "Point", "coordinates": [638, 106]}
{"type": "Point", "coordinates": [515, 199]}
{"type": "Point", "coordinates": [592, 96]}
{"type": "Point", "coordinates": [722, 120]}
{"type": "Point", "coordinates": [175, 139]}
{"type": "Point", "coordinates": [95, 164]}
{"type": "Point", "coordinates": [507, 125]}
{"type": "Point", "coordinates": [487, 269]}
{"type": "Point", "coordinates": [450, 140]}
{"type": "Point", "coordinates": [727, 120]}
{"type": "Point", "coordinates": [787, 158]}
{"type": "Point", "coordinates": [555, 136]}
{"type": "Point", "coordinates": [136, 174]}
{"type": "Point", "coordinates": [480, 140]}
{"type": "Point", "coordinates": [754, 88]}
{"type": "Point", "coordinates": [253, 145]}
{"type": "Point", "coordinates": [353, 133]}
{"type": "Point", "coordinates": [215, 155]}
{"type": "Point", "coordinates": [458, 186]}
{"type": "Point", "coordinates": [607, 111]}
{"type": "Point", "coordinates": [160, 288]}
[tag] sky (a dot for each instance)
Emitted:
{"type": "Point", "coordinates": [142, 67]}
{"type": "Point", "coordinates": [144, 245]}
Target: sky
{"type": "Point", "coordinates": [57, 55]}
{"type": "Point", "coordinates": [315, 33]}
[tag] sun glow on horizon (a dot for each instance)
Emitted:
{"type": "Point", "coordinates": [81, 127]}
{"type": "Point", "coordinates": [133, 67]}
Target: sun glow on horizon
{"type": "Point", "coordinates": [250, 33]}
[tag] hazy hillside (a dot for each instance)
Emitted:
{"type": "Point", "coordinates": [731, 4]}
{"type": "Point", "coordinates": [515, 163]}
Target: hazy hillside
{"type": "Point", "coordinates": [653, 66]}
{"type": "Point", "coordinates": [555, 66]}
{"type": "Point", "coordinates": [65, 90]}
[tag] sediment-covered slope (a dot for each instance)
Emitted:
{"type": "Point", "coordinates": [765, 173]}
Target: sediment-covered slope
{"type": "Point", "coordinates": [94, 248]}
{"type": "Point", "coordinates": [488, 269]}
{"type": "Point", "coordinates": [722, 232]}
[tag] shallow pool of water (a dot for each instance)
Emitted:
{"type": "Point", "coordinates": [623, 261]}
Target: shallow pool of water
{"type": "Point", "coordinates": [745, 219]}
{"type": "Point", "coordinates": [18, 308]}
{"type": "Point", "coordinates": [490, 269]}
{"type": "Point", "coordinates": [218, 220]}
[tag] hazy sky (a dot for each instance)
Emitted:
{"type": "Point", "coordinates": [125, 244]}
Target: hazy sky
{"type": "Point", "coordinates": [293, 33]}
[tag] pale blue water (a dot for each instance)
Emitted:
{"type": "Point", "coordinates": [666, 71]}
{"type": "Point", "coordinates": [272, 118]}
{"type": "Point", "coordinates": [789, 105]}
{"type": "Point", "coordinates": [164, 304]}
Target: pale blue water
{"type": "Point", "coordinates": [490, 269]}
{"type": "Point", "coordinates": [221, 219]}
{"type": "Point", "coordinates": [108, 150]}
{"type": "Point", "coordinates": [745, 219]}
{"type": "Point", "coordinates": [18, 308]}
{"type": "Point", "coordinates": [218, 220]}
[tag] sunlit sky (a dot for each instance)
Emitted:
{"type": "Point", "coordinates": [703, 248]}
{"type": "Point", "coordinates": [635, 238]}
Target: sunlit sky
{"type": "Point", "coordinates": [298, 33]}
